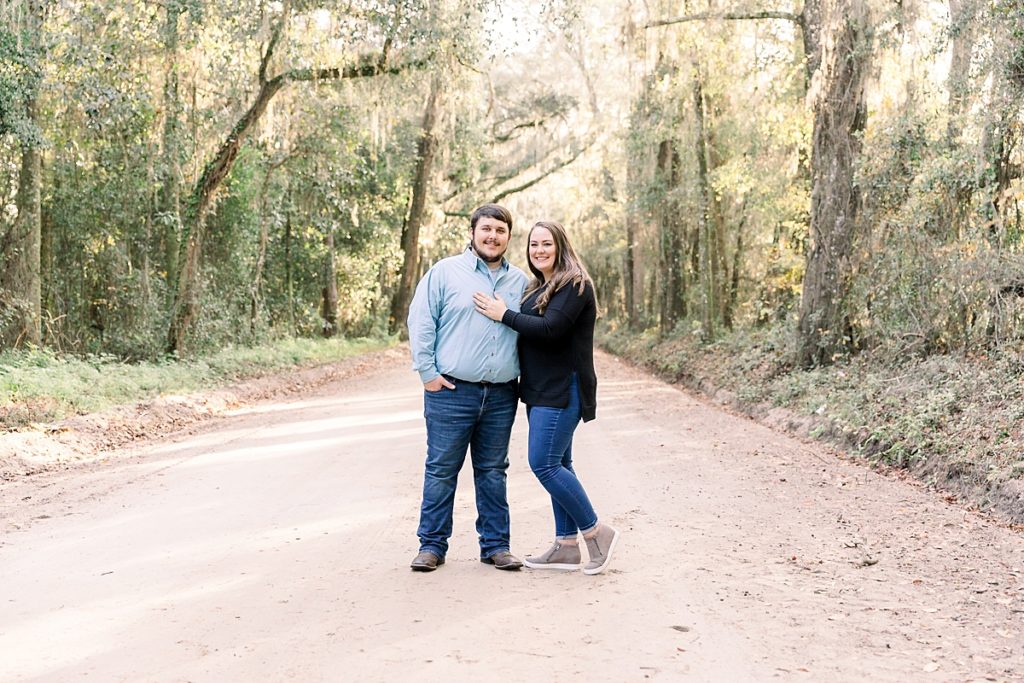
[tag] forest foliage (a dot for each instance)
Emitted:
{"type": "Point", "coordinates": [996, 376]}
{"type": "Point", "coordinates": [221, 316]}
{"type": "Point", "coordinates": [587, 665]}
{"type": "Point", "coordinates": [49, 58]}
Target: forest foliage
{"type": "Point", "coordinates": [180, 176]}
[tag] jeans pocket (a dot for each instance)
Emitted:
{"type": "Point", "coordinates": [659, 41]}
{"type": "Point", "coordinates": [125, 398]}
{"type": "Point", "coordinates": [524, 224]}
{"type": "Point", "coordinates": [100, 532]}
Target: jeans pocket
{"type": "Point", "coordinates": [433, 400]}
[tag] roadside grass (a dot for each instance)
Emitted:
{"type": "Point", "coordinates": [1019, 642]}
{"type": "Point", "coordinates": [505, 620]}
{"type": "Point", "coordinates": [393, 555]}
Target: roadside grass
{"type": "Point", "coordinates": [40, 386]}
{"type": "Point", "coordinates": [956, 420]}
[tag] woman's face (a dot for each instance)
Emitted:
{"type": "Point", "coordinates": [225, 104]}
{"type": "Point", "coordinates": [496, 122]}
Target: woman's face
{"type": "Point", "coordinates": [542, 251]}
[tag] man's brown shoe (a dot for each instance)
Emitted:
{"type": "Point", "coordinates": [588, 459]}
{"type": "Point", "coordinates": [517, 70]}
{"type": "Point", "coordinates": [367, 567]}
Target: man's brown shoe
{"type": "Point", "coordinates": [503, 559]}
{"type": "Point", "coordinates": [426, 561]}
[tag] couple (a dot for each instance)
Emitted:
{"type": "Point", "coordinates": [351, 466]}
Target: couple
{"type": "Point", "coordinates": [463, 326]}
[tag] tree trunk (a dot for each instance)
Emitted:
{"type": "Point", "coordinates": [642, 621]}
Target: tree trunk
{"type": "Point", "coordinates": [716, 212]}
{"type": "Point", "coordinates": [186, 303]}
{"type": "Point", "coordinates": [673, 295]}
{"type": "Point", "coordinates": [839, 119]}
{"type": "Point", "coordinates": [710, 271]}
{"type": "Point", "coordinates": [417, 208]}
{"type": "Point", "coordinates": [961, 19]}
{"type": "Point", "coordinates": [46, 270]}
{"type": "Point", "coordinates": [998, 145]}
{"type": "Point", "coordinates": [810, 34]}
{"type": "Point", "coordinates": [289, 285]}
{"type": "Point", "coordinates": [21, 309]}
{"type": "Point", "coordinates": [629, 267]}
{"type": "Point", "coordinates": [255, 288]}
{"type": "Point", "coordinates": [734, 282]}
{"type": "Point", "coordinates": [961, 23]}
{"type": "Point", "coordinates": [186, 300]}
{"type": "Point", "coordinates": [169, 199]}
{"type": "Point", "coordinates": [651, 295]}
{"type": "Point", "coordinates": [20, 275]}
{"type": "Point", "coordinates": [329, 308]}
{"type": "Point", "coordinates": [1001, 141]}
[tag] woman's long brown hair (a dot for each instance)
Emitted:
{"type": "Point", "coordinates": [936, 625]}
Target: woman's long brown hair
{"type": "Point", "coordinates": [568, 267]}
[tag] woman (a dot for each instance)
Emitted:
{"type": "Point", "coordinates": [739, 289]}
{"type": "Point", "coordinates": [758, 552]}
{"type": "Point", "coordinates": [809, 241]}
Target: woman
{"type": "Point", "coordinates": [559, 387]}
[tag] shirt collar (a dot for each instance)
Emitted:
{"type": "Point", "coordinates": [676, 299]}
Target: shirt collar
{"type": "Point", "coordinates": [475, 261]}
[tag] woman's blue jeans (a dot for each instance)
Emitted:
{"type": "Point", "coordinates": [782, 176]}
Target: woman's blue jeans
{"type": "Point", "coordinates": [550, 455]}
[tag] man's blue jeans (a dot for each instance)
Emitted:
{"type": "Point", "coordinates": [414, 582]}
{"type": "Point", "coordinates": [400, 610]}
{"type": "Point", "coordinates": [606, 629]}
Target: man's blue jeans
{"type": "Point", "coordinates": [550, 448]}
{"type": "Point", "coordinates": [478, 417]}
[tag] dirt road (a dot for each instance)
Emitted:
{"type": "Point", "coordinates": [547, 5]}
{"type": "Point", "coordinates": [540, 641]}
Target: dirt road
{"type": "Point", "coordinates": [274, 545]}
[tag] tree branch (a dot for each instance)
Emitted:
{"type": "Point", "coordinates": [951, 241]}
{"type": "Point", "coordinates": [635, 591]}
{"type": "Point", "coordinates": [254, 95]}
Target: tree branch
{"type": "Point", "coordinates": [368, 67]}
{"type": "Point", "coordinates": [533, 181]}
{"type": "Point", "coordinates": [385, 52]}
{"type": "Point", "coordinates": [511, 132]}
{"type": "Point", "coordinates": [496, 180]}
{"type": "Point", "coordinates": [728, 16]}
{"type": "Point", "coordinates": [275, 36]}
{"type": "Point", "coordinates": [185, 302]}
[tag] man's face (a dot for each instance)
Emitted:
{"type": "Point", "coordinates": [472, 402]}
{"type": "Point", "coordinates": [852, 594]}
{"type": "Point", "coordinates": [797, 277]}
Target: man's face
{"type": "Point", "coordinates": [490, 239]}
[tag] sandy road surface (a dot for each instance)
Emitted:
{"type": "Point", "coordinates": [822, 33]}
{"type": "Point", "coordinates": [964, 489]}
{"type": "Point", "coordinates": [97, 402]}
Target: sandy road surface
{"type": "Point", "coordinates": [274, 545]}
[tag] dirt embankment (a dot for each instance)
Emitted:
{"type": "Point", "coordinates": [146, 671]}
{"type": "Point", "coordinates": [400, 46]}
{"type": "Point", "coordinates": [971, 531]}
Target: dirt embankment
{"type": "Point", "coordinates": [945, 422]}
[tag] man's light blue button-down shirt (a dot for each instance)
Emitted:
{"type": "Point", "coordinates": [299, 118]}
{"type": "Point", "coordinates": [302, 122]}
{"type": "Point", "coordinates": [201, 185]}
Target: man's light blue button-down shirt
{"type": "Point", "coordinates": [447, 335]}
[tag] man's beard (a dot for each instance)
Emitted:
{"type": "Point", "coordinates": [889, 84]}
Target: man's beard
{"type": "Point", "coordinates": [483, 257]}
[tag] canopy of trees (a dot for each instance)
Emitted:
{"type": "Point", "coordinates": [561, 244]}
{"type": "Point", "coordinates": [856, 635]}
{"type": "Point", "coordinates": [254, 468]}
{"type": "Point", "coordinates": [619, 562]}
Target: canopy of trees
{"type": "Point", "coordinates": [184, 175]}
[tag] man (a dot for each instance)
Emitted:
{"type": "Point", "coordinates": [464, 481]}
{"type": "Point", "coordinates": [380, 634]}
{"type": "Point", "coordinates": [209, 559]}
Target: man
{"type": "Point", "coordinates": [468, 365]}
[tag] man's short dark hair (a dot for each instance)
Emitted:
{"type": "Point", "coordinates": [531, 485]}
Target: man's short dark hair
{"type": "Point", "coordinates": [494, 211]}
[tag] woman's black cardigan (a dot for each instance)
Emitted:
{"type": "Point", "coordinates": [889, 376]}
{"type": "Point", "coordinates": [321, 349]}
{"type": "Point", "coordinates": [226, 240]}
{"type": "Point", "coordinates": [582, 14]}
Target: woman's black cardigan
{"type": "Point", "coordinates": [553, 345]}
